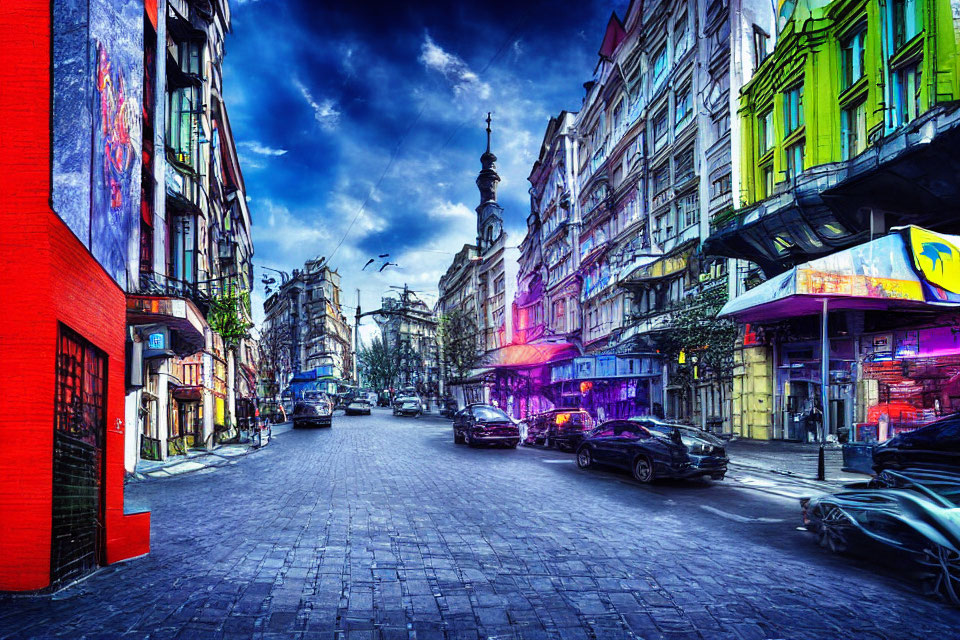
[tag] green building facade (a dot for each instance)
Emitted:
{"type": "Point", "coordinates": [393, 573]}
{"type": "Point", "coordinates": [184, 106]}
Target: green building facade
{"type": "Point", "coordinates": [843, 75]}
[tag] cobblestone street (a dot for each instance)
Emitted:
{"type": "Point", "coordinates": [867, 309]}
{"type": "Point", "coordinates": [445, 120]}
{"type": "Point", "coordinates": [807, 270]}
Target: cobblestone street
{"type": "Point", "coordinates": [382, 527]}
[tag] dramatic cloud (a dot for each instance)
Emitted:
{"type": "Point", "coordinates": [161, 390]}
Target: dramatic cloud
{"type": "Point", "coordinates": [361, 132]}
{"type": "Point", "coordinates": [255, 147]}
{"type": "Point", "coordinates": [455, 70]}
{"type": "Point", "coordinates": [325, 112]}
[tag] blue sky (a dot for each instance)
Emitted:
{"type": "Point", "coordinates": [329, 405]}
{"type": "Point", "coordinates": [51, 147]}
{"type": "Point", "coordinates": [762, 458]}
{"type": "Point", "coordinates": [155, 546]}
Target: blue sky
{"type": "Point", "coordinates": [348, 107]}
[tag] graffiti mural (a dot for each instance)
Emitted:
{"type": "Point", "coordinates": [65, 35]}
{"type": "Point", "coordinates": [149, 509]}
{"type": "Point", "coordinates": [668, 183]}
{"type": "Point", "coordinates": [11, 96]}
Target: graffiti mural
{"type": "Point", "coordinates": [115, 203]}
{"type": "Point", "coordinates": [97, 123]}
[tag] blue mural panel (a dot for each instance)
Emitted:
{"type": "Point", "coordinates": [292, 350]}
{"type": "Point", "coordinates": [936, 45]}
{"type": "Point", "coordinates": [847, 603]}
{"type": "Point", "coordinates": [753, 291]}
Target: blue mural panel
{"type": "Point", "coordinates": [98, 91]}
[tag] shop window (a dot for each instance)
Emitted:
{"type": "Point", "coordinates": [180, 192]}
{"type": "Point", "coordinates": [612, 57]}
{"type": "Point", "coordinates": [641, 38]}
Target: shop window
{"type": "Point", "coordinates": [795, 160]}
{"type": "Point", "coordinates": [906, 94]}
{"type": "Point", "coordinates": [765, 131]}
{"type": "Point", "coordinates": [766, 181]}
{"type": "Point", "coordinates": [680, 40]}
{"type": "Point", "coordinates": [684, 107]}
{"type": "Point", "coordinates": [761, 44]}
{"type": "Point", "coordinates": [851, 58]}
{"type": "Point", "coordinates": [660, 129]}
{"type": "Point", "coordinates": [906, 21]}
{"type": "Point", "coordinates": [793, 109]}
{"type": "Point", "coordinates": [659, 65]}
{"type": "Point", "coordinates": [683, 167]}
{"type": "Point", "coordinates": [661, 180]}
{"type": "Point", "coordinates": [853, 130]}
{"type": "Point", "coordinates": [721, 186]}
{"type": "Point", "coordinates": [688, 210]}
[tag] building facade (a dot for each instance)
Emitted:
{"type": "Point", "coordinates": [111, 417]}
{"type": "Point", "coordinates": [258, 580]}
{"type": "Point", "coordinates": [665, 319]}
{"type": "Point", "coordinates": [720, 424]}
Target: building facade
{"type": "Point", "coordinates": [847, 129]}
{"type": "Point", "coordinates": [409, 328]}
{"type": "Point", "coordinates": [194, 366]}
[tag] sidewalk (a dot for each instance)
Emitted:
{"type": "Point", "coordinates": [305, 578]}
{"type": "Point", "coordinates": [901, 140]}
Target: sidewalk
{"type": "Point", "coordinates": [196, 460]}
{"type": "Point", "coordinates": [794, 459]}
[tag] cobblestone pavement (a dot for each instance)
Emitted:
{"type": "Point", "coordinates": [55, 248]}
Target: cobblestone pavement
{"type": "Point", "coordinates": [381, 527]}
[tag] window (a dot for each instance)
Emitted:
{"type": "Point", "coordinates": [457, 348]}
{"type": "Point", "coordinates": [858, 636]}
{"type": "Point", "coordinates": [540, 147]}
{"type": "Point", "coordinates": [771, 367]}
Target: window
{"type": "Point", "coordinates": [683, 167]}
{"type": "Point", "coordinates": [662, 230]}
{"type": "Point", "coordinates": [906, 97]}
{"type": "Point", "coordinates": [618, 119]}
{"type": "Point", "coordinates": [684, 106]}
{"type": "Point", "coordinates": [853, 130]}
{"type": "Point", "coordinates": [688, 211]}
{"type": "Point", "coordinates": [661, 179]}
{"type": "Point", "coordinates": [765, 131]}
{"type": "Point", "coordinates": [794, 160]}
{"type": "Point", "coordinates": [680, 40]}
{"type": "Point", "coordinates": [721, 186]}
{"type": "Point", "coordinates": [793, 109]}
{"type": "Point", "coordinates": [659, 129]}
{"type": "Point", "coordinates": [905, 21]}
{"type": "Point", "coordinates": [659, 64]}
{"type": "Point", "coordinates": [851, 59]}
{"type": "Point", "coordinates": [766, 181]}
{"type": "Point", "coordinates": [761, 41]}
{"type": "Point", "coordinates": [721, 124]}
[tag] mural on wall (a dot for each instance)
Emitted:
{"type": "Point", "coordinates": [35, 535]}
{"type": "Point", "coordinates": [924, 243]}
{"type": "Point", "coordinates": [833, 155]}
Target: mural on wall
{"type": "Point", "coordinates": [114, 202]}
{"type": "Point", "coordinates": [97, 93]}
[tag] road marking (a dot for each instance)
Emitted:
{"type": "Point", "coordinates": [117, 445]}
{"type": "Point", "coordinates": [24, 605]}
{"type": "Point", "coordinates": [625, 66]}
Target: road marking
{"type": "Point", "coordinates": [561, 461]}
{"type": "Point", "coordinates": [735, 517]}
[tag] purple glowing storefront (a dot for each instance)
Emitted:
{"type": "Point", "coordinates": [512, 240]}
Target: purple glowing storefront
{"type": "Point", "coordinates": [516, 377]}
{"type": "Point", "coordinates": [608, 386]}
{"type": "Point", "coordinates": [870, 333]}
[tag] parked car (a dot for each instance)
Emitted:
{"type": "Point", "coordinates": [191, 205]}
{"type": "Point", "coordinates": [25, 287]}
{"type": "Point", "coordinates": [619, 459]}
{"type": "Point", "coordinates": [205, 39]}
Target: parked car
{"type": "Point", "coordinates": [407, 406]}
{"type": "Point", "coordinates": [936, 444]}
{"type": "Point", "coordinates": [484, 424]}
{"type": "Point", "coordinates": [629, 445]}
{"type": "Point", "coordinates": [316, 410]}
{"type": "Point", "coordinates": [360, 405]}
{"type": "Point", "coordinates": [706, 451]}
{"type": "Point", "coordinates": [562, 428]}
{"type": "Point", "coordinates": [910, 516]}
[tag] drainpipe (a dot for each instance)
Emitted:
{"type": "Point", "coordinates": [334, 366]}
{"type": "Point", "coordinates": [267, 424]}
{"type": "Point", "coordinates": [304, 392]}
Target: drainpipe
{"type": "Point", "coordinates": [824, 389]}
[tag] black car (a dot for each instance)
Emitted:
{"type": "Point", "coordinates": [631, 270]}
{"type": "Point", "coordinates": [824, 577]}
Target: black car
{"type": "Point", "coordinates": [906, 517]}
{"type": "Point", "coordinates": [936, 444]}
{"type": "Point", "coordinates": [705, 450]}
{"type": "Point", "coordinates": [360, 405]}
{"type": "Point", "coordinates": [629, 445]}
{"type": "Point", "coordinates": [313, 411]}
{"type": "Point", "coordinates": [484, 424]}
{"type": "Point", "coordinates": [563, 428]}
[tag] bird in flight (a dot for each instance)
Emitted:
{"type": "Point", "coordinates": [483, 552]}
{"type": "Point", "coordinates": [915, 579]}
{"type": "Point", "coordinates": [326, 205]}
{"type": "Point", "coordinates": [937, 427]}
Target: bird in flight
{"type": "Point", "coordinates": [387, 264]}
{"type": "Point", "coordinates": [384, 255]}
{"type": "Point", "coordinates": [369, 262]}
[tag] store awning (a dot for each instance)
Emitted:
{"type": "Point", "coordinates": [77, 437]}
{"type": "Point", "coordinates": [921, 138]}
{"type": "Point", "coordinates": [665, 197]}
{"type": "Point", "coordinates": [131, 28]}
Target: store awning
{"type": "Point", "coordinates": [529, 355]}
{"type": "Point", "coordinates": [910, 268]}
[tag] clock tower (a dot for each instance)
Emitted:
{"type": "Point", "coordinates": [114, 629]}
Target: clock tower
{"type": "Point", "coordinates": [489, 213]}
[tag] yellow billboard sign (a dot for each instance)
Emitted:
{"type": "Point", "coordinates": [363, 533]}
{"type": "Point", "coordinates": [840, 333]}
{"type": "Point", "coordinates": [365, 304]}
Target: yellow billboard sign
{"type": "Point", "coordinates": [936, 258]}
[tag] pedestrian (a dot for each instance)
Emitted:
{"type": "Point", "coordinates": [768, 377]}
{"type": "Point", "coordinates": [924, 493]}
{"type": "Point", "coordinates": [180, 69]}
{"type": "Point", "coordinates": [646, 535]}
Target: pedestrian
{"type": "Point", "coordinates": [814, 421]}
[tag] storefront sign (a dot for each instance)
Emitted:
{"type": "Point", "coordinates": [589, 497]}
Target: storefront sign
{"type": "Point", "coordinates": [157, 341]}
{"type": "Point", "coordinates": [936, 258]}
{"type": "Point", "coordinates": [662, 268]}
{"type": "Point", "coordinates": [812, 282]}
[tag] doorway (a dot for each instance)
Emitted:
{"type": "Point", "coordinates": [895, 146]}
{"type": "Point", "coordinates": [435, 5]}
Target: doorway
{"type": "Point", "coordinates": [78, 444]}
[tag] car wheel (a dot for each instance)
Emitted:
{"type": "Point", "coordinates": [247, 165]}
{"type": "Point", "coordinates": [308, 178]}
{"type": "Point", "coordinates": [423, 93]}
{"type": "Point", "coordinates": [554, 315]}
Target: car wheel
{"type": "Point", "coordinates": [833, 531]}
{"type": "Point", "coordinates": [469, 440]}
{"type": "Point", "coordinates": [941, 572]}
{"type": "Point", "coordinates": [643, 470]}
{"type": "Point", "coordinates": [296, 425]}
{"type": "Point", "coordinates": [584, 458]}
{"type": "Point", "coordinates": [457, 438]}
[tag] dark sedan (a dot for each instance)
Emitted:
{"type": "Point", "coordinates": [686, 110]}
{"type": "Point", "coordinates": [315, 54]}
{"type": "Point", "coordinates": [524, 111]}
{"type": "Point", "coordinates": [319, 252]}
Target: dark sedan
{"type": "Point", "coordinates": [937, 444]}
{"type": "Point", "coordinates": [563, 428]}
{"type": "Point", "coordinates": [630, 445]}
{"type": "Point", "coordinates": [909, 517]}
{"type": "Point", "coordinates": [484, 424]}
{"type": "Point", "coordinates": [313, 411]}
{"type": "Point", "coordinates": [705, 450]}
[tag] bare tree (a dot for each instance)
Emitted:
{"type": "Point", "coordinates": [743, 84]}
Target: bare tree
{"type": "Point", "coordinates": [458, 336]}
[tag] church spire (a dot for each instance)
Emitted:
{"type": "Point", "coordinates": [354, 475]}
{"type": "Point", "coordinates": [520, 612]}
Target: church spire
{"type": "Point", "coordinates": [488, 132]}
{"type": "Point", "coordinates": [488, 178]}
{"type": "Point", "coordinates": [489, 218]}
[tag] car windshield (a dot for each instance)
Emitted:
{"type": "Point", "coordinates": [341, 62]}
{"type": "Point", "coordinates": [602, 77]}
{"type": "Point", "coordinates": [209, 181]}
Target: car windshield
{"type": "Point", "coordinates": [406, 399]}
{"type": "Point", "coordinates": [489, 413]}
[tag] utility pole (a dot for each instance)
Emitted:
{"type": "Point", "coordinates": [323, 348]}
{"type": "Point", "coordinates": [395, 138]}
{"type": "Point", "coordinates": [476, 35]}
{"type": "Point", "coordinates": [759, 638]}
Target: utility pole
{"type": "Point", "coordinates": [356, 342]}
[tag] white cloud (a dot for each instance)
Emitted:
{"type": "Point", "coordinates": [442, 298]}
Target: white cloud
{"type": "Point", "coordinates": [325, 112]}
{"type": "Point", "coordinates": [453, 68]}
{"type": "Point", "coordinates": [260, 149]}
{"type": "Point", "coordinates": [444, 209]}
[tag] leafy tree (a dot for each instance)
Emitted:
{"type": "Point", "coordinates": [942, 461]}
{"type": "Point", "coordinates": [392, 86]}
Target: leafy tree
{"type": "Point", "coordinates": [458, 336]}
{"type": "Point", "coordinates": [224, 317]}
{"type": "Point", "coordinates": [380, 363]}
{"type": "Point", "coordinates": [706, 341]}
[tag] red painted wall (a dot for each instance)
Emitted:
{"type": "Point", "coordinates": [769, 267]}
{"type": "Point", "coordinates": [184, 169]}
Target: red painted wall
{"type": "Point", "coordinates": [46, 276]}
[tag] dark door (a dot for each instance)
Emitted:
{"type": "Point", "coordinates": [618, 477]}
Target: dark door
{"type": "Point", "coordinates": [78, 439]}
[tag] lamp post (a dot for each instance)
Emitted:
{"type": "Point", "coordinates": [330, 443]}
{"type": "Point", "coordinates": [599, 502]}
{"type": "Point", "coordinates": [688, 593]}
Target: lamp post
{"type": "Point", "coordinates": [824, 390]}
